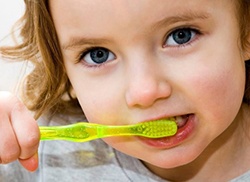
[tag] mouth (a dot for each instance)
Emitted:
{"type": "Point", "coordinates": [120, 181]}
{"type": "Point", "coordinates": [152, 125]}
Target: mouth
{"type": "Point", "coordinates": [186, 125]}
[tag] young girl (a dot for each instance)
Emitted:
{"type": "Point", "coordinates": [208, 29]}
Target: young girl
{"type": "Point", "coordinates": [124, 62]}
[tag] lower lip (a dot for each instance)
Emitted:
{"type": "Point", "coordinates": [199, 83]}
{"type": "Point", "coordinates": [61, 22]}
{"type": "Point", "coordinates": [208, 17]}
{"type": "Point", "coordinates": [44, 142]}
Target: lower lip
{"type": "Point", "coordinates": [168, 142]}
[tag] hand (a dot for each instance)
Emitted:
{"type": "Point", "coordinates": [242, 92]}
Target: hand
{"type": "Point", "coordinates": [19, 133]}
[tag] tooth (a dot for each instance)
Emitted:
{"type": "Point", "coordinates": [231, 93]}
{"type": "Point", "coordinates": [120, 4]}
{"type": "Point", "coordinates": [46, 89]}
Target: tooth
{"type": "Point", "coordinates": [178, 119]}
{"type": "Point", "coordinates": [181, 120]}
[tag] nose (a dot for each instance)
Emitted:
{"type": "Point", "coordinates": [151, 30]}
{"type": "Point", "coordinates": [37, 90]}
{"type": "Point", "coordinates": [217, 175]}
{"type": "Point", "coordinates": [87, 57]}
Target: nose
{"type": "Point", "coordinates": [146, 85]}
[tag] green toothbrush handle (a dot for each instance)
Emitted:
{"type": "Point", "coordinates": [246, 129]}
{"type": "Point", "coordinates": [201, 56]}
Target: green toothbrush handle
{"type": "Point", "coordinates": [78, 132]}
{"type": "Point", "coordinates": [82, 132]}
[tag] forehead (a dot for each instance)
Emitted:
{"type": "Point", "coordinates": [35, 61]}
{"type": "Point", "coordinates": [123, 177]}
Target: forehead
{"type": "Point", "coordinates": [95, 16]}
{"type": "Point", "coordinates": [129, 8]}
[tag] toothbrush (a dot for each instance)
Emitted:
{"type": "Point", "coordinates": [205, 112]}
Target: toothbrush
{"type": "Point", "coordinates": [83, 131]}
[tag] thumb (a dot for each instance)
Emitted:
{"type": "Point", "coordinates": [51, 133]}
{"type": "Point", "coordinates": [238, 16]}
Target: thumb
{"type": "Point", "coordinates": [31, 164]}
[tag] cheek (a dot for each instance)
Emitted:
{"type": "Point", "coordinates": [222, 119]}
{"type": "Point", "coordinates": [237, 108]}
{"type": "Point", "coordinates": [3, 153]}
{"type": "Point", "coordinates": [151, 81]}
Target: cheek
{"type": "Point", "coordinates": [98, 108]}
{"type": "Point", "coordinates": [218, 92]}
{"type": "Point", "coordinates": [99, 95]}
{"type": "Point", "coordinates": [100, 100]}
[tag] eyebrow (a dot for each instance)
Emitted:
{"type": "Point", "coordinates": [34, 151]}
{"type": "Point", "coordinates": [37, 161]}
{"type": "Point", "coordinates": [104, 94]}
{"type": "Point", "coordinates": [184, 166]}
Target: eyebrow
{"type": "Point", "coordinates": [79, 41]}
{"type": "Point", "coordinates": [184, 17]}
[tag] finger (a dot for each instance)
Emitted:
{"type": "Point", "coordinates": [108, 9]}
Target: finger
{"type": "Point", "coordinates": [26, 130]}
{"type": "Point", "coordinates": [30, 164]}
{"type": "Point", "coordinates": [9, 147]}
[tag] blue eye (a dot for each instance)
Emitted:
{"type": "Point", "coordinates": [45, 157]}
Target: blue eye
{"type": "Point", "coordinates": [97, 56]}
{"type": "Point", "coordinates": [180, 37]}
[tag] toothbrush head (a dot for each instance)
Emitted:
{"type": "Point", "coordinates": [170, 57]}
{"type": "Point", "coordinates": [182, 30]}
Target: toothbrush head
{"type": "Point", "coordinates": [156, 129]}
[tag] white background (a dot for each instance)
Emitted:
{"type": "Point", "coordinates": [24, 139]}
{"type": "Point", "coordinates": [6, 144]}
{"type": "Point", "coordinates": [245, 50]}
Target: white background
{"type": "Point", "coordinates": [10, 73]}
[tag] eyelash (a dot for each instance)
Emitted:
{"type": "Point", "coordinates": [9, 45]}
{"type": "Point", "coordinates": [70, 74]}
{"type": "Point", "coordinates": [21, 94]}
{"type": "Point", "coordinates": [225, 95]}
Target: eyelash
{"type": "Point", "coordinates": [82, 54]}
{"type": "Point", "coordinates": [194, 30]}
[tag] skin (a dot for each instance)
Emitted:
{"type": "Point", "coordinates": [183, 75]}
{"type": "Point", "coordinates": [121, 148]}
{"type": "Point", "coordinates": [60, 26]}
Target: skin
{"type": "Point", "coordinates": [19, 133]}
{"type": "Point", "coordinates": [148, 78]}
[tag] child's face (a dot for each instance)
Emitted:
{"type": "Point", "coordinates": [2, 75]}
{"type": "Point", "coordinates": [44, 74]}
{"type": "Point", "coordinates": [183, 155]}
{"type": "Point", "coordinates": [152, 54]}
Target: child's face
{"type": "Point", "coordinates": [132, 61]}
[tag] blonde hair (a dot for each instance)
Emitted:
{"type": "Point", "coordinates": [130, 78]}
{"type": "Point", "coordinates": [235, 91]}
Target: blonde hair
{"type": "Point", "coordinates": [47, 87]}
